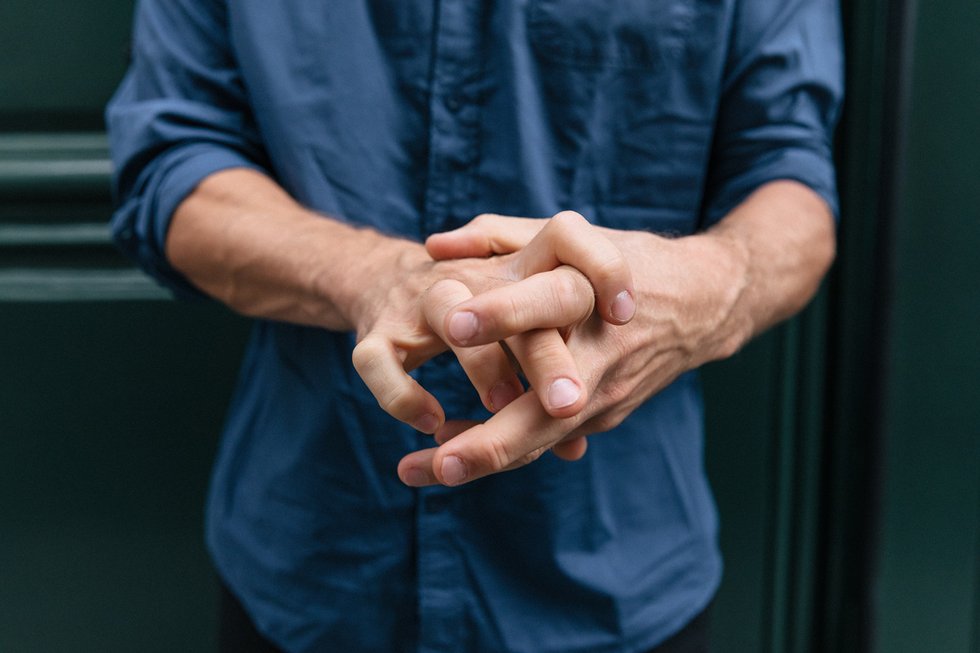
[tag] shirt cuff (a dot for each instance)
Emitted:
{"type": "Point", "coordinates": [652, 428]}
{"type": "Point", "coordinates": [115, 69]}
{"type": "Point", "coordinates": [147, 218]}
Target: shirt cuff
{"type": "Point", "coordinates": [140, 225]}
{"type": "Point", "coordinates": [806, 166]}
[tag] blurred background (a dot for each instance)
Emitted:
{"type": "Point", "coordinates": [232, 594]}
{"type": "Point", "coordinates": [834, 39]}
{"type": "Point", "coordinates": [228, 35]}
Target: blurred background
{"type": "Point", "coordinates": [844, 447]}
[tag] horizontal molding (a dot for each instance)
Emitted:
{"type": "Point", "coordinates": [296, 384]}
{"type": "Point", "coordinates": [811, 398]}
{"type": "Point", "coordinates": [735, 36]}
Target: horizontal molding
{"type": "Point", "coordinates": [53, 142]}
{"type": "Point", "coordinates": [68, 285]}
{"type": "Point", "coordinates": [55, 235]}
{"type": "Point", "coordinates": [54, 166]}
{"type": "Point", "coordinates": [42, 167]}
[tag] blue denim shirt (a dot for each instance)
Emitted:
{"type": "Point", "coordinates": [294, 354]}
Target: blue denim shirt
{"type": "Point", "coordinates": [413, 116]}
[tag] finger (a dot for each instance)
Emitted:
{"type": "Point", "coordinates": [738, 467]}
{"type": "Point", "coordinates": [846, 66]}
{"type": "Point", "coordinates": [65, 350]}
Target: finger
{"type": "Point", "coordinates": [484, 235]}
{"type": "Point", "coordinates": [572, 449]}
{"type": "Point", "coordinates": [486, 366]}
{"type": "Point", "coordinates": [380, 365]}
{"type": "Point", "coordinates": [452, 428]}
{"type": "Point", "coordinates": [512, 438]}
{"type": "Point", "coordinates": [416, 470]}
{"type": "Point", "coordinates": [551, 371]}
{"type": "Point", "coordinates": [576, 243]}
{"type": "Point", "coordinates": [569, 239]}
{"type": "Point", "coordinates": [529, 310]}
{"type": "Point", "coordinates": [555, 299]}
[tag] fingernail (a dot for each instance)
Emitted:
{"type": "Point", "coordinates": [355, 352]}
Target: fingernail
{"type": "Point", "coordinates": [623, 307]}
{"type": "Point", "coordinates": [463, 326]}
{"type": "Point", "coordinates": [453, 470]}
{"type": "Point", "coordinates": [562, 393]}
{"type": "Point", "coordinates": [416, 478]}
{"type": "Point", "coordinates": [501, 395]}
{"type": "Point", "coordinates": [428, 423]}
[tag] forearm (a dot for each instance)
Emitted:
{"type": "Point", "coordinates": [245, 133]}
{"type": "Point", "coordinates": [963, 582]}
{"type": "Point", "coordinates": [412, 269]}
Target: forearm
{"type": "Point", "coordinates": [774, 249]}
{"type": "Point", "coordinates": [243, 240]}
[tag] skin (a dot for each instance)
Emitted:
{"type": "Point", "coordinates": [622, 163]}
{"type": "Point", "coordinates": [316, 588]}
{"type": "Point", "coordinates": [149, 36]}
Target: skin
{"type": "Point", "coordinates": [241, 239]}
{"type": "Point", "coordinates": [602, 319]}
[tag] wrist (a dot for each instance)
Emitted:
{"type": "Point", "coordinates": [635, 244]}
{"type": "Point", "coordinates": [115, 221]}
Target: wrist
{"type": "Point", "coordinates": [728, 263]}
{"type": "Point", "coordinates": [694, 290]}
{"type": "Point", "coordinates": [364, 266]}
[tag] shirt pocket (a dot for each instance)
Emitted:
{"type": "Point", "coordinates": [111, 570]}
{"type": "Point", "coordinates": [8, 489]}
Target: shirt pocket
{"type": "Point", "coordinates": [621, 34]}
{"type": "Point", "coordinates": [634, 85]}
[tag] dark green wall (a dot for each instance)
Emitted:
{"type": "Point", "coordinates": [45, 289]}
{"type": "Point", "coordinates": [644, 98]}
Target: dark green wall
{"type": "Point", "coordinates": [928, 591]}
{"type": "Point", "coordinates": [61, 61]}
{"type": "Point", "coordinates": [111, 395]}
{"type": "Point", "coordinates": [108, 417]}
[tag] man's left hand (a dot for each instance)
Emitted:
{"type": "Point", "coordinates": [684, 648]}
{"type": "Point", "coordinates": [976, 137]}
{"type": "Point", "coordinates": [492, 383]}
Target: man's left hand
{"type": "Point", "coordinates": [699, 298]}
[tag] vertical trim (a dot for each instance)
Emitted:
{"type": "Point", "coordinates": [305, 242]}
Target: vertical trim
{"type": "Point", "coordinates": [976, 592]}
{"type": "Point", "coordinates": [809, 462]}
{"type": "Point", "coordinates": [783, 466]}
{"type": "Point", "coordinates": [792, 576]}
{"type": "Point", "coordinates": [872, 151]}
{"type": "Point", "coordinates": [899, 49]}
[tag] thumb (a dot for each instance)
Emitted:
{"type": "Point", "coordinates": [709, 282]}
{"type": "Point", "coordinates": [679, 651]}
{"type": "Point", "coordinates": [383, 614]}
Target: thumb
{"type": "Point", "coordinates": [485, 235]}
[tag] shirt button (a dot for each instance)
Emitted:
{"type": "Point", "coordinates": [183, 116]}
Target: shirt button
{"type": "Point", "coordinates": [454, 103]}
{"type": "Point", "coordinates": [465, 159]}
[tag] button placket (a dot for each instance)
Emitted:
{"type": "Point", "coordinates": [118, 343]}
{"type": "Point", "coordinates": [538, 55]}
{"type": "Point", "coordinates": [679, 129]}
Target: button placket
{"type": "Point", "coordinates": [442, 589]}
{"type": "Point", "coordinates": [453, 148]}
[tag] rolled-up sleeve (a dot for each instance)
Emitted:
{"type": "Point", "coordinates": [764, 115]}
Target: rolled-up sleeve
{"type": "Point", "coordinates": [783, 87]}
{"type": "Point", "coordinates": [179, 115]}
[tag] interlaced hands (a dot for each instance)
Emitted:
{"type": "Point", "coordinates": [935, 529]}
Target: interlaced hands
{"type": "Point", "coordinates": [557, 298]}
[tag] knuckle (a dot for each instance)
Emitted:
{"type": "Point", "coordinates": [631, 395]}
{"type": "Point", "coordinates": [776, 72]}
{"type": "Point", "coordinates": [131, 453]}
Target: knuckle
{"type": "Point", "coordinates": [482, 219]}
{"type": "Point", "coordinates": [529, 457]}
{"type": "Point", "coordinates": [443, 286]}
{"type": "Point", "coordinates": [612, 392]}
{"type": "Point", "coordinates": [569, 284]}
{"type": "Point", "coordinates": [366, 354]}
{"type": "Point", "coordinates": [396, 399]}
{"type": "Point", "coordinates": [442, 291]}
{"type": "Point", "coordinates": [573, 295]}
{"type": "Point", "coordinates": [616, 393]}
{"type": "Point", "coordinates": [607, 422]}
{"type": "Point", "coordinates": [611, 267]}
{"type": "Point", "coordinates": [547, 354]}
{"type": "Point", "coordinates": [512, 313]}
{"type": "Point", "coordinates": [566, 219]}
{"type": "Point", "coordinates": [731, 346]}
{"type": "Point", "coordinates": [499, 453]}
